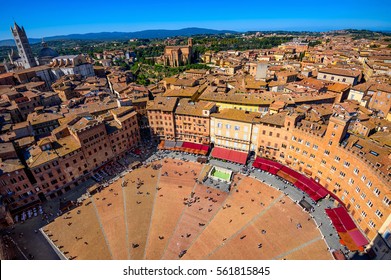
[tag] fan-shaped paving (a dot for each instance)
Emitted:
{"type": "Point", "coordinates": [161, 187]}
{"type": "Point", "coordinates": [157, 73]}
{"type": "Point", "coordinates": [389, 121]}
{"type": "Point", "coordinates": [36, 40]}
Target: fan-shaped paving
{"type": "Point", "coordinates": [165, 213]}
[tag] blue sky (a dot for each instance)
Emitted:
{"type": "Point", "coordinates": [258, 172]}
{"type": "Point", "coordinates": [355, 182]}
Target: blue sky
{"type": "Point", "coordinates": [47, 18]}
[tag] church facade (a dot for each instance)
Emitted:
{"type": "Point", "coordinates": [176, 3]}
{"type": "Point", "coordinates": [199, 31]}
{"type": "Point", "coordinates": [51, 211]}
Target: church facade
{"type": "Point", "coordinates": [49, 66]}
{"type": "Point", "coordinates": [175, 56]}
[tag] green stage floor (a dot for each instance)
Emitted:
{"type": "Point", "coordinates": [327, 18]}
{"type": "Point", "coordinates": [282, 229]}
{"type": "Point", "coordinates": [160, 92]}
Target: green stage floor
{"type": "Point", "coordinates": [221, 175]}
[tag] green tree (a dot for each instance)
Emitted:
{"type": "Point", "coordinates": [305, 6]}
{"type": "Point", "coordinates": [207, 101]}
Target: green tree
{"type": "Point", "coordinates": [301, 56]}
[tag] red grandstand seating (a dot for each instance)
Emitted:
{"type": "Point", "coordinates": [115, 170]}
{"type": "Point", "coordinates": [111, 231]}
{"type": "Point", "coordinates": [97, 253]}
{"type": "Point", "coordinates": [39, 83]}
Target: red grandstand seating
{"type": "Point", "coordinates": [193, 148]}
{"type": "Point", "coordinates": [291, 172]}
{"type": "Point", "coordinates": [358, 238]}
{"type": "Point", "coordinates": [205, 148]}
{"type": "Point", "coordinates": [315, 190]}
{"type": "Point", "coordinates": [224, 153]}
{"type": "Point", "coordinates": [230, 155]}
{"type": "Point", "coordinates": [350, 235]}
{"type": "Point", "coordinates": [238, 157]}
{"type": "Point", "coordinates": [345, 218]}
{"type": "Point", "coordinates": [219, 153]}
{"type": "Point", "coordinates": [267, 165]}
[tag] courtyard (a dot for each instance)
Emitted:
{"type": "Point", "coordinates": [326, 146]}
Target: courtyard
{"type": "Point", "coordinates": [163, 210]}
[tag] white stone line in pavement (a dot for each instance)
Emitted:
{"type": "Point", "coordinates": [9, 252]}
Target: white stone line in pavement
{"type": "Point", "coordinates": [153, 211]}
{"type": "Point", "coordinates": [316, 215]}
{"type": "Point", "coordinates": [17, 246]}
{"type": "Point", "coordinates": [125, 219]}
{"type": "Point", "coordinates": [256, 217]}
{"type": "Point", "coordinates": [180, 217]}
{"type": "Point", "coordinates": [293, 193]}
{"type": "Point", "coordinates": [51, 243]}
{"type": "Point", "coordinates": [279, 257]}
{"type": "Point", "coordinates": [215, 214]}
{"type": "Point", "coordinates": [101, 227]}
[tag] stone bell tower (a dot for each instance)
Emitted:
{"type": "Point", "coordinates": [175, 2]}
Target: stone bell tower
{"type": "Point", "coordinates": [23, 46]}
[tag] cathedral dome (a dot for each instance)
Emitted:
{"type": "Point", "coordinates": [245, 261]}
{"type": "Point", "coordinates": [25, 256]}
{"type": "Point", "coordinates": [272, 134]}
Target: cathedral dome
{"type": "Point", "coordinates": [47, 52]}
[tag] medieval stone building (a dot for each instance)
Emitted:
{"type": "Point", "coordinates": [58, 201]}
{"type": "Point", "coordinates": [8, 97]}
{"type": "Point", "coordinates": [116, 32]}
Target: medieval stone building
{"type": "Point", "coordinates": [175, 56]}
{"type": "Point", "coordinates": [26, 55]}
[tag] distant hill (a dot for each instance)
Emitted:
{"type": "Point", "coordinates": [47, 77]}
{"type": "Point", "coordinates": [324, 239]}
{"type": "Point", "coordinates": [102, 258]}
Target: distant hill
{"type": "Point", "coordinates": [11, 42]}
{"type": "Point", "coordinates": [146, 34]}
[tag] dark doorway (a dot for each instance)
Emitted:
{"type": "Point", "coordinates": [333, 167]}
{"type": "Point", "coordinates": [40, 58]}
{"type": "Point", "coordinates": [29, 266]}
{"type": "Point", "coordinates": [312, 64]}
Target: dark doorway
{"type": "Point", "coordinates": [42, 197]}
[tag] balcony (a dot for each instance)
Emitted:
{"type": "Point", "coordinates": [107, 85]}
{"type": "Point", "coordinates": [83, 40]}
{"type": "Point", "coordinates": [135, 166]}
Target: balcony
{"type": "Point", "coordinates": [233, 139]}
